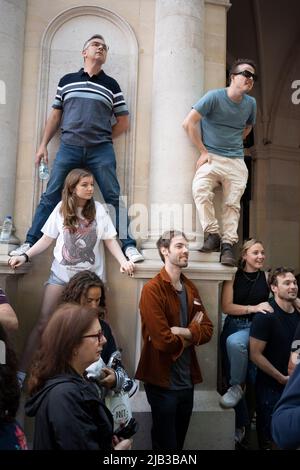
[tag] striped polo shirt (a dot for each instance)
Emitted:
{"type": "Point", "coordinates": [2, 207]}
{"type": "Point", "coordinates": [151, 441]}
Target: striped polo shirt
{"type": "Point", "coordinates": [89, 105]}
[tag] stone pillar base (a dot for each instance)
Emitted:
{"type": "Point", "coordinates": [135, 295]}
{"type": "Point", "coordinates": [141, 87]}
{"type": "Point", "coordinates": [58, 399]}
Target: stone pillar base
{"type": "Point", "coordinates": [211, 427]}
{"type": "Point", "coordinates": [141, 411]}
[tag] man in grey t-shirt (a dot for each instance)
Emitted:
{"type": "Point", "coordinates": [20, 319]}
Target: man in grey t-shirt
{"type": "Point", "coordinates": [217, 125]}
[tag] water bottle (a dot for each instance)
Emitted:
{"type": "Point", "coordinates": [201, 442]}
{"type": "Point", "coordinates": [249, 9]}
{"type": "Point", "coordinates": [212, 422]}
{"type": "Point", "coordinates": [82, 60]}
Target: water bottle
{"type": "Point", "coordinates": [43, 170]}
{"type": "Point", "coordinates": [6, 229]}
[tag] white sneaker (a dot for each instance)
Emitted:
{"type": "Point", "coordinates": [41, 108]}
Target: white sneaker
{"type": "Point", "coordinates": [19, 251]}
{"type": "Point", "coordinates": [239, 434]}
{"type": "Point", "coordinates": [231, 398]}
{"type": "Point", "coordinates": [133, 254]}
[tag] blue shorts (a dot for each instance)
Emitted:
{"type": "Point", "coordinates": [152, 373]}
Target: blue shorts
{"type": "Point", "coordinates": [54, 280]}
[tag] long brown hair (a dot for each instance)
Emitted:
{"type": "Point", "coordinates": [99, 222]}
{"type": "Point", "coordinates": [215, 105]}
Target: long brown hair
{"type": "Point", "coordinates": [62, 334]}
{"type": "Point", "coordinates": [69, 204]}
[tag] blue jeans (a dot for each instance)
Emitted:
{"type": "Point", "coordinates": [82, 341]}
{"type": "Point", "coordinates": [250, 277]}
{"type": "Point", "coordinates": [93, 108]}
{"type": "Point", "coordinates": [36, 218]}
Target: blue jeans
{"type": "Point", "coordinates": [235, 338]}
{"type": "Point", "coordinates": [236, 365]}
{"type": "Point", "coordinates": [171, 412]}
{"type": "Point", "coordinates": [100, 160]}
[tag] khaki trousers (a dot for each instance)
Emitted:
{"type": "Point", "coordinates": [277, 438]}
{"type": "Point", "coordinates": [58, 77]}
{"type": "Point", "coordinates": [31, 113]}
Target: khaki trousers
{"type": "Point", "coordinates": [232, 175]}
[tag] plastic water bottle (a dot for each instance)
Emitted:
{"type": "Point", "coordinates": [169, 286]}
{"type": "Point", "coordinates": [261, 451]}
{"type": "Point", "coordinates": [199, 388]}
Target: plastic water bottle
{"type": "Point", "coordinates": [6, 229]}
{"type": "Point", "coordinates": [43, 170]}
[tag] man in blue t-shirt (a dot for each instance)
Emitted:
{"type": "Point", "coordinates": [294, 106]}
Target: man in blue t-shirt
{"type": "Point", "coordinates": [217, 125]}
{"type": "Point", "coordinates": [90, 110]}
{"type": "Point", "coordinates": [271, 337]}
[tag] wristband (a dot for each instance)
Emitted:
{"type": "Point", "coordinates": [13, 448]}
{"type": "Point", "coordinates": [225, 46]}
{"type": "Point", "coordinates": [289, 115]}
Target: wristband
{"type": "Point", "coordinates": [26, 257]}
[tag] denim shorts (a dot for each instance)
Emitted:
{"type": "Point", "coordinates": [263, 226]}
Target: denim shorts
{"type": "Point", "coordinates": [54, 280]}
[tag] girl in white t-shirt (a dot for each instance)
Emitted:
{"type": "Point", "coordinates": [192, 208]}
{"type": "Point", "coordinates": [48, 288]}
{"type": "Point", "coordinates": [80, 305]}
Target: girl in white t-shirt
{"type": "Point", "coordinates": [80, 226]}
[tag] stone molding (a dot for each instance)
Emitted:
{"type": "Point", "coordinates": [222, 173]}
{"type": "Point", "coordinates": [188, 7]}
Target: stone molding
{"type": "Point", "coordinates": [219, 3]}
{"type": "Point", "coordinates": [276, 152]}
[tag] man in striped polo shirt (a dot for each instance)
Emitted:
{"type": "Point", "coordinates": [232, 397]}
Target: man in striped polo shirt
{"type": "Point", "coordinates": [90, 110]}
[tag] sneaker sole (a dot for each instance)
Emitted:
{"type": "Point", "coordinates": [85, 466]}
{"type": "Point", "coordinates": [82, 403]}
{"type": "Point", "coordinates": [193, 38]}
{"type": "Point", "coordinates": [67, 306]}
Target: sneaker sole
{"type": "Point", "coordinates": [224, 405]}
{"type": "Point", "coordinates": [227, 263]}
{"type": "Point", "coordinates": [139, 259]}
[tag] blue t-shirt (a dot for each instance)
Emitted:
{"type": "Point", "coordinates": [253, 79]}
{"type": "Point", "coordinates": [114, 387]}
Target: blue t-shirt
{"type": "Point", "coordinates": [277, 329]}
{"type": "Point", "coordinates": [223, 122]}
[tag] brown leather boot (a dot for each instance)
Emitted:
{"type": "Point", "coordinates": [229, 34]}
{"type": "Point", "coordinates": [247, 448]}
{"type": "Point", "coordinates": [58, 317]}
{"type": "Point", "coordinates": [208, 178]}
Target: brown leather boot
{"type": "Point", "coordinates": [211, 242]}
{"type": "Point", "coordinates": [227, 256]}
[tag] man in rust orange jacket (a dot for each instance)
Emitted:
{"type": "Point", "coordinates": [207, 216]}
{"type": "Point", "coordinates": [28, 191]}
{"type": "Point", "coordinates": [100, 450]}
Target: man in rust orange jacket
{"type": "Point", "coordinates": [174, 321]}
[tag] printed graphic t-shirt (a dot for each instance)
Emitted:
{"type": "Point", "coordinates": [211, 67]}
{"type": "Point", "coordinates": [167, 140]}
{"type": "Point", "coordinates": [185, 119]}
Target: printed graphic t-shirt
{"type": "Point", "coordinates": [82, 249]}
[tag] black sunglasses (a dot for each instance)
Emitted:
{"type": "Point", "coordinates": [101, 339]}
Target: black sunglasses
{"type": "Point", "coordinates": [247, 74]}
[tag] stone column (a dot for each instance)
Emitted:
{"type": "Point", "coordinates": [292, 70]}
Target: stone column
{"type": "Point", "coordinates": [184, 30]}
{"type": "Point", "coordinates": [12, 26]}
{"type": "Point", "coordinates": [177, 83]}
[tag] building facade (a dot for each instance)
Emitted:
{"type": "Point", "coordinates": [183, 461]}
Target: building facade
{"type": "Point", "coordinates": [165, 54]}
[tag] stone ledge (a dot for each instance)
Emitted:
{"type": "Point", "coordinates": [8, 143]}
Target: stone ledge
{"type": "Point", "coordinates": [5, 269]}
{"type": "Point", "coordinates": [221, 3]}
{"type": "Point", "coordinates": [211, 427]}
{"type": "Point", "coordinates": [208, 271]}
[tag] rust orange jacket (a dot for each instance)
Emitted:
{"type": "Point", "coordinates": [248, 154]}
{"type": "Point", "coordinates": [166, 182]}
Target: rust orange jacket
{"type": "Point", "coordinates": [160, 310]}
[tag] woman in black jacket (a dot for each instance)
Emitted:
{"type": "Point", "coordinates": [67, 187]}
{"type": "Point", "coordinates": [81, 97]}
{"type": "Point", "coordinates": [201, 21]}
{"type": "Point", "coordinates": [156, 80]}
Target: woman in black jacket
{"type": "Point", "coordinates": [68, 412]}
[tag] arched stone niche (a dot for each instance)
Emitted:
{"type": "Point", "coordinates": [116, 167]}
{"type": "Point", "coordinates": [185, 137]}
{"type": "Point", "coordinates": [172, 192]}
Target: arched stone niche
{"type": "Point", "coordinates": [61, 48]}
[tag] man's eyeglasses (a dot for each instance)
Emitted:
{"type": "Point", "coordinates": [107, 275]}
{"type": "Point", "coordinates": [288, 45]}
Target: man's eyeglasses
{"type": "Point", "coordinates": [99, 45]}
{"type": "Point", "coordinates": [247, 74]}
{"type": "Point", "coordinates": [99, 336]}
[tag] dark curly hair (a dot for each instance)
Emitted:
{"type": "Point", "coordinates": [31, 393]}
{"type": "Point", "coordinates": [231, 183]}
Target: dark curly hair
{"type": "Point", "coordinates": [9, 387]}
{"type": "Point", "coordinates": [281, 271]}
{"type": "Point", "coordinates": [61, 336]}
{"type": "Point", "coordinates": [79, 285]}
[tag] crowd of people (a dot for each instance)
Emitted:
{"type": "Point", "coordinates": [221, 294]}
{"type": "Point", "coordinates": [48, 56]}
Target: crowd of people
{"type": "Point", "coordinates": [67, 358]}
